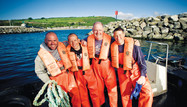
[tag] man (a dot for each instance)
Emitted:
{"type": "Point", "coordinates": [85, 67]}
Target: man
{"type": "Point", "coordinates": [127, 57]}
{"type": "Point", "coordinates": [84, 74]}
{"type": "Point", "coordinates": [98, 49]}
{"type": "Point", "coordinates": [52, 63]}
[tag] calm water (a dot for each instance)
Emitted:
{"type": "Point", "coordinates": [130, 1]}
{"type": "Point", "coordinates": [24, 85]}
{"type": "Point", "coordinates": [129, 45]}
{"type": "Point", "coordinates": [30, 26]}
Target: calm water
{"type": "Point", "coordinates": [18, 51]}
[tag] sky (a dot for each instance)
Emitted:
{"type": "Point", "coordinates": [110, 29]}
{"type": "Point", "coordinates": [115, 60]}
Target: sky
{"type": "Point", "coordinates": [127, 9]}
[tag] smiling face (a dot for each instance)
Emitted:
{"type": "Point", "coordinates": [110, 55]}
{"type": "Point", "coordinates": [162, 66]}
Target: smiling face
{"type": "Point", "coordinates": [74, 41]}
{"type": "Point", "coordinates": [51, 40]}
{"type": "Point", "coordinates": [98, 30]}
{"type": "Point", "coordinates": [119, 37]}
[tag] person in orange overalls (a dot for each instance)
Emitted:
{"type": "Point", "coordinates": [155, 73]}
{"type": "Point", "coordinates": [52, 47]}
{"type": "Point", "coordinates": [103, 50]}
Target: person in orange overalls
{"type": "Point", "coordinates": [98, 49]}
{"type": "Point", "coordinates": [127, 57]}
{"type": "Point", "coordinates": [52, 63]}
{"type": "Point", "coordinates": [83, 72]}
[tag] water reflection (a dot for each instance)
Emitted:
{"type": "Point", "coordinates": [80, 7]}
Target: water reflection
{"type": "Point", "coordinates": [176, 49]}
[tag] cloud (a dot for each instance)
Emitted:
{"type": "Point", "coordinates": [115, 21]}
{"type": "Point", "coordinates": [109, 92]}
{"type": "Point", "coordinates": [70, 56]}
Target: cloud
{"type": "Point", "coordinates": [156, 14]}
{"type": "Point", "coordinates": [127, 16]}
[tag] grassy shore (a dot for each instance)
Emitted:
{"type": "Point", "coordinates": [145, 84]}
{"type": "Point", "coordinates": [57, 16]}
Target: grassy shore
{"type": "Point", "coordinates": [74, 22]}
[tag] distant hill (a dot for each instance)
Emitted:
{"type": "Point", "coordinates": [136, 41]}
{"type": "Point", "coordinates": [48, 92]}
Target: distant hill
{"type": "Point", "coordinates": [58, 22]}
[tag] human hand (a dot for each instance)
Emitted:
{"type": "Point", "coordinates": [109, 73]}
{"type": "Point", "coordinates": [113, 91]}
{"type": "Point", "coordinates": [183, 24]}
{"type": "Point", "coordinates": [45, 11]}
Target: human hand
{"type": "Point", "coordinates": [84, 43]}
{"type": "Point", "coordinates": [141, 80]}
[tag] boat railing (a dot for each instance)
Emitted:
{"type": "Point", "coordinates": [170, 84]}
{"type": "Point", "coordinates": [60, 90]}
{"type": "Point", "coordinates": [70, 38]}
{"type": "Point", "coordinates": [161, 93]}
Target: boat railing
{"type": "Point", "coordinates": [157, 67]}
{"type": "Point", "coordinates": [157, 58]}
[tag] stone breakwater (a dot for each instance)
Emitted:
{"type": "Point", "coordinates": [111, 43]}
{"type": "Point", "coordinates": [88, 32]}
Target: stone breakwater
{"type": "Point", "coordinates": [18, 29]}
{"type": "Point", "coordinates": [164, 27]}
{"type": "Point", "coordinates": [70, 27]}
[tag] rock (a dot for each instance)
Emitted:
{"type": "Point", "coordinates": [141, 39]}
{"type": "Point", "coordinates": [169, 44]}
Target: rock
{"type": "Point", "coordinates": [174, 18]}
{"type": "Point", "coordinates": [139, 32]}
{"type": "Point", "coordinates": [133, 27]}
{"type": "Point", "coordinates": [131, 31]}
{"type": "Point", "coordinates": [164, 17]}
{"type": "Point", "coordinates": [152, 23]}
{"type": "Point", "coordinates": [177, 35]}
{"type": "Point", "coordinates": [155, 29]}
{"type": "Point", "coordinates": [145, 33]}
{"type": "Point", "coordinates": [184, 35]}
{"type": "Point", "coordinates": [136, 23]}
{"type": "Point", "coordinates": [127, 34]}
{"type": "Point", "coordinates": [18, 29]}
{"type": "Point", "coordinates": [164, 30]}
{"type": "Point", "coordinates": [178, 31]}
{"type": "Point", "coordinates": [156, 19]}
{"type": "Point", "coordinates": [138, 28]}
{"type": "Point", "coordinates": [168, 37]}
{"type": "Point", "coordinates": [157, 36]}
{"type": "Point", "coordinates": [165, 24]}
{"type": "Point", "coordinates": [160, 24]}
{"type": "Point", "coordinates": [161, 27]}
{"type": "Point", "coordinates": [142, 25]}
{"type": "Point", "coordinates": [171, 26]}
{"type": "Point", "coordinates": [183, 22]}
{"type": "Point", "coordinates": [150, 35]}
{"type": "Point", "coordinates": [183, 15]}
{"type": "Point", "coordinates": [164, 35]}
{"type": "Point", "coordinates": [137, 36]}
{"type": "Point", "coordinates": [148, 29]}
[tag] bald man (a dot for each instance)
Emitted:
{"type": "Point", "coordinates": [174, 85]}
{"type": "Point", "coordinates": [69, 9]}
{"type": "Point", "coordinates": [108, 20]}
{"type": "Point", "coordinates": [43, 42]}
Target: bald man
{"type": "Point", "coordinates": [98, 49]}
{"type": "Point", "coordinates": [52, 63]}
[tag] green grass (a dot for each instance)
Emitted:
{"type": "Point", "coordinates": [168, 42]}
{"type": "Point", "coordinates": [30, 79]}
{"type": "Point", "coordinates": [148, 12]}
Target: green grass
{"type": "Point", "coordinates": [59, 22]}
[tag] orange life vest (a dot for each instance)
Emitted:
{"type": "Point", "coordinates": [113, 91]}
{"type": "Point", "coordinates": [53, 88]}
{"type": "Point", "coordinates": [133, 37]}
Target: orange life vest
{"type": "Point", "coordinates": [104, 47]}
{"type": "Point", "coordinates": [127, 56]}
{"type": "Point", "coordinates": [85, 59]}
{"type": "Point", "coordinates": [49, 61]}
{"type": "Point", "coordinates": [63, 55]}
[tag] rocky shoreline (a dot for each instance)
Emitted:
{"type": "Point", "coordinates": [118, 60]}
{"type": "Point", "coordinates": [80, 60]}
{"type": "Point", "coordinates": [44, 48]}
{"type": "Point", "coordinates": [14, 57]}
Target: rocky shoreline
{"type": "Point", "coordinates": [22, 29]}
{"type": "Point", "coordinates": [164, 27]}
{"type": "Point", "coordinates": [18, 29]}
{"type": "Point", "coordinates": [69, 28]}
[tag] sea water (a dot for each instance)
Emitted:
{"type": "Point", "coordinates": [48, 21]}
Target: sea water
{"type": "Point", "coordinates": [18, 52]}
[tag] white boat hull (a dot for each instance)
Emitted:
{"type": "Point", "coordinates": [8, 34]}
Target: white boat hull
{"type": "Point", "coordinates": [157, 75]}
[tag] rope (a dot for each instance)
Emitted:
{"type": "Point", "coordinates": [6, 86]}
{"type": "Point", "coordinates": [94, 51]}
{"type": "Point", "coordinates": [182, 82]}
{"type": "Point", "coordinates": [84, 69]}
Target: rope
{"type": "Point", "coordinates": [55, 96]}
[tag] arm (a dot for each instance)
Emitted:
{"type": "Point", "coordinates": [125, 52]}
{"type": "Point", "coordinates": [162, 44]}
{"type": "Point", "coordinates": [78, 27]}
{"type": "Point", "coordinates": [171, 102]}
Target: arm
{"type": "Point", "coordinates": [40, 70]}
{"type": "Point", "coordinates": [138, 56]}
{"type": "Point", "coordinates": [65, 43]}
{"type": "Point", "coordinates": [84, 41]}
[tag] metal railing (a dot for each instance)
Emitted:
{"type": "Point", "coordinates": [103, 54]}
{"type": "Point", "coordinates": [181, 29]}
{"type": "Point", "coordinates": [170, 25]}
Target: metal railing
{"type": "Point", "coordinates": [158, 58]}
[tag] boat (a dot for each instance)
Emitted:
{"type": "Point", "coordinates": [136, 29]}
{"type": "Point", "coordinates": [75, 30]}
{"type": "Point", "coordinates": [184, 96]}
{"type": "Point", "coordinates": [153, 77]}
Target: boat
{"type": "Point", "coordinates": [20, 96]}
{"type": "Point", "coordinates": [167, 75]}
{"type": "Point", "coordinates": [156, 72]}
